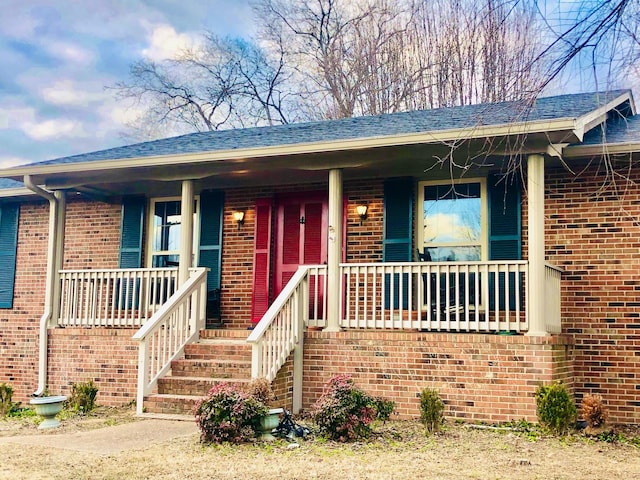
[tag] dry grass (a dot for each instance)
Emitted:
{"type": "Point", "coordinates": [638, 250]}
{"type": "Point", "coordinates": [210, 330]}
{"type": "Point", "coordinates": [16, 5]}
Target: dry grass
{"type": "Point", "coordinates": [398, 450]}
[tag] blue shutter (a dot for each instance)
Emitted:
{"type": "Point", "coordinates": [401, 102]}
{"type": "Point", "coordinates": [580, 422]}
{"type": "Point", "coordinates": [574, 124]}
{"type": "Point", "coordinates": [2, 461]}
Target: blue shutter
{"type": "Point", "coordinates": [504, 218]}
{"type": "Point", "coordinates": [210, 254]}
{"type": "Point", "coordinates": [505, 231]}
{"type": "Point", "coordinates": [131, 232]}
{"type": "Point", "coordinates": [398, 228]}
{"type": "Point", "coordinates": [131, 229]}
{"type": "Point", "coordinates": [8, 244]}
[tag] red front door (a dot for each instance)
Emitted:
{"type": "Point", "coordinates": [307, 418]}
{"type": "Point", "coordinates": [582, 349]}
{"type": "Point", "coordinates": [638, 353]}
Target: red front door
{"type": "Point", "coordinates": [301, 235]}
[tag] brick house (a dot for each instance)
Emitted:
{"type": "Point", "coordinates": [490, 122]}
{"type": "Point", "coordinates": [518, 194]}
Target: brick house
{"type": "Point", "coordinates": [480, 250]}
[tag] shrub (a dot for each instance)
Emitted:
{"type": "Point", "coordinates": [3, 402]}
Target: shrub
{"type": "Point", "coordinates": [344, 412]}
{"type": "Point", "coordinates": [228, 414]}
{"type": "Point", "coordinates": [593, 411]}
{"type": "Point", "coordinates": [260, 389]}
{"type": "Point", "coordinates": [6, 394]}
{"type": "Point", "coordinates": [83, 397]}
{"type": "Point", "coordinates": [554, 407]}
{"type": "Point", "coordinates": [431, 410]}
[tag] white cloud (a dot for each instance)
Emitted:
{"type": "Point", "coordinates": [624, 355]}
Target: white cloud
{"type": "Point", "coordinates": [71, 53]}
{"type": "Point", "coordinates": [70, 93]}
{"type": "Point", "coordinates": [10, 117]}
{"type": "Point", "coordinates": [6, 162]}
{"type": "Point", "coordinates": [50, 129]}
{"type": "Point", "coordinates": [166, 43]}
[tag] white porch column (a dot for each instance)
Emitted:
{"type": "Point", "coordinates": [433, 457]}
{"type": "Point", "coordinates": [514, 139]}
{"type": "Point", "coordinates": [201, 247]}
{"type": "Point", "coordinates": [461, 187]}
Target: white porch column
{"type": "Point", "coordinates": [186, 231]}
{"type": "Point", "coordinates": [535, 191]}
{"type": "Point", "coordinates": [334, 251]}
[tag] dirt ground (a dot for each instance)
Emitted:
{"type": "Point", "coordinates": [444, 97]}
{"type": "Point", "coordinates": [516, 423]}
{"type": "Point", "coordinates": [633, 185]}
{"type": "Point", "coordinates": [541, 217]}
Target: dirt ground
{"type": "Point", "coordinates": [398, 450]}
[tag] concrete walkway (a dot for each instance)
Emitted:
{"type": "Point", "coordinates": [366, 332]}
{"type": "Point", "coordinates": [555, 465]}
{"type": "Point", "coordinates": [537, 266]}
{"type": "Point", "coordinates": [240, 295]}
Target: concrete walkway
{"type": "Point", "coordinates": [110, 440]}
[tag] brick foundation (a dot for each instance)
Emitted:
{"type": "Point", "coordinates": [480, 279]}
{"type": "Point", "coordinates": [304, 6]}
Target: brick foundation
{"type": "Point", "coordinates": [479, 377]}
{"type": "Point", "coordinates": [108, 356]}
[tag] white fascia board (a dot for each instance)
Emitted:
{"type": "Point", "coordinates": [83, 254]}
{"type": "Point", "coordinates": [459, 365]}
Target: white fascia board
{"type": "Point", "coordinates": [15, 192]}
{"type": "Point", "coordinates": [577, 151]}
{"type": "Point", "coordinates": [433, 137]}
{"type": "Point", "coordinates": [599, 115]}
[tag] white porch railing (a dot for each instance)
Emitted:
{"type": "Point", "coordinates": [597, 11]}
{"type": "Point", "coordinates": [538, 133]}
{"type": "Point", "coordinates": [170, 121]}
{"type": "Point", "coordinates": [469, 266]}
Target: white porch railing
{"type": "Point", "coordinates": [114, 298]}
{"type": "Point", "coordinates": [552, 295]}
{"type": "Point", "coordinates": [174, 325]}
{"type": "Point", "coordinates": [431, 296]}
{"type": "Point", "coordinates": [281, 329]}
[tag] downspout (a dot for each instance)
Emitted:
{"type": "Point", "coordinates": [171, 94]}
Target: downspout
{"type": "Point", "coordinates": [54, 256]}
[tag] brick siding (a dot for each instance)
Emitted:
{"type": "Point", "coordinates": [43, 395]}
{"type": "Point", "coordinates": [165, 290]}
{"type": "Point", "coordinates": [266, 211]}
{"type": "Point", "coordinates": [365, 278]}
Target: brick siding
{"type": "Point", "coordinates": [592, 232]}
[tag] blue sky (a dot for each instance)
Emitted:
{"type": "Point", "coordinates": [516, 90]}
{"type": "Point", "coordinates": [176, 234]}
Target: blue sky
{"type": "Point", "coordinates": [57, 57]}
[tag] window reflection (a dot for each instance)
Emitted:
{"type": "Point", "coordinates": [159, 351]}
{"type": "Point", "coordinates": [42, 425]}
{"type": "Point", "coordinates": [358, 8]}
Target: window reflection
{"type": "Point", "coordinates": [452, 222]}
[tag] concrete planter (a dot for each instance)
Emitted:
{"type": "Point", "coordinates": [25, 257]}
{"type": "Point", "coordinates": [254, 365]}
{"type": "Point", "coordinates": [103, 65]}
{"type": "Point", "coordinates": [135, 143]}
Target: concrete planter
{"type": "Point", "coordinates": [48, 408]}
{"type": "Point", "coordinates": [269, 422]}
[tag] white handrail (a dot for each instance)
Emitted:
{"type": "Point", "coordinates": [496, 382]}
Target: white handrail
{"type": "Point", "coordinates": [281, 330]}
{"type": "Point", "coordinates": [176, 323]}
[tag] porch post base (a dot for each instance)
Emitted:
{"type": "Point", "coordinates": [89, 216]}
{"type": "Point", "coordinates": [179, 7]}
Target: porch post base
{"type": "Point", "coordinates": [331, 329]}
{"type": "Point", "coordinates": [537, 333]}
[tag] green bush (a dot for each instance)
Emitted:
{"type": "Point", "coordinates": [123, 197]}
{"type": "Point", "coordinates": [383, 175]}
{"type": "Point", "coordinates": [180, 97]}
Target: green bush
{"type": "Point", "coordinates": [344, 412]}
{"type": "Point", "coordinates": [6, 393]}
{"type": "Point", "coordinates": [229, 414]}
{"type": "Point", "coordinates": [431, 410]}
{"type": "Point", "coordinates": [83, 397]}
{"type": "Point", "coordinates": [555, 408]}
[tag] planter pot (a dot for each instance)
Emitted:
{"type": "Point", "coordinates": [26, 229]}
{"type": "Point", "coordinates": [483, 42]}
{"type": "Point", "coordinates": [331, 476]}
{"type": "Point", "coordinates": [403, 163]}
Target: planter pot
{"type": "Point", "coordinates": [269, 422]}
{"type": "Point", "coordinates": [48, 408]}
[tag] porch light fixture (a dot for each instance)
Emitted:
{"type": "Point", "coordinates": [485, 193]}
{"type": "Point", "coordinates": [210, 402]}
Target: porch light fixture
{"type": "Point", "coordinates": [238, 217]}
{"type": "Point", "coordinates": [362, 211]}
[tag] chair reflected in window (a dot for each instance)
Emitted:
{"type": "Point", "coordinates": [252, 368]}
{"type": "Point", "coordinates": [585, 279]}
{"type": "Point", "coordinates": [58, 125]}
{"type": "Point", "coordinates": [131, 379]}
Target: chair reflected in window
{"type": "Point", "coordinates": [443, 293]}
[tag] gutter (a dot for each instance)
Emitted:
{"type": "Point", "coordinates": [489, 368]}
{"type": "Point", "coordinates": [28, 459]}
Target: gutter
{"type": "Point", "coordinates": [57, 206]}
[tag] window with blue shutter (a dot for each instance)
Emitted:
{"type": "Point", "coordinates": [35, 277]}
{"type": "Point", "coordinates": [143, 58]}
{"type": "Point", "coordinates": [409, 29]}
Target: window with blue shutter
{"type": "Point", "coordinates": [9, 214]}
{"type": "Point", "coordinates": [398, 226]}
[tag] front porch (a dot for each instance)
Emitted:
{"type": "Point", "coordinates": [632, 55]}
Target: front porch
{"type": "Point", "coordinates": [423, 301]}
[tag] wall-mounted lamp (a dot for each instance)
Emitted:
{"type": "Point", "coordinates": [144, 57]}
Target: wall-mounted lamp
{"type": "Point", "coordinates": [362, 211]}
{"type": "Point", "coordinates": [238, 217]}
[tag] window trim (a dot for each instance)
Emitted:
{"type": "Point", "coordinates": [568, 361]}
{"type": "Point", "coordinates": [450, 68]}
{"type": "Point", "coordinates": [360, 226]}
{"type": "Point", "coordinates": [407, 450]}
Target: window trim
{"type": "Point", "coordinates": [150, 227]}
{"type": "Point", "coordinates": [484, 213]}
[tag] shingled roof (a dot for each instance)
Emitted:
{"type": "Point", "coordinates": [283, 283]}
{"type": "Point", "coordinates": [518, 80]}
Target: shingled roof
{"type": "Point", "coordinates": [548, 108]}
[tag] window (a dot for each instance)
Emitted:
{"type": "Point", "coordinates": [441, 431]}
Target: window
{"type": "Point", "coordinates": [165, 232]}
{"type": "Point", "coordinates": [452, 226]}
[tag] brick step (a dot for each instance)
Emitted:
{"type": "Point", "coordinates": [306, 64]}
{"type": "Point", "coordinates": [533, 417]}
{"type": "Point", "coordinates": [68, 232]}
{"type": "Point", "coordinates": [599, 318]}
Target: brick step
{"type": "Point", "coordinates": [192, 385]}
{"type": "Point", "coordinates": [218, 348]}
{"type": "Point", "coordinates": [171, 404]}
{"type": "Point", "coordinates": [218, 368]}
{"type": "Point", "coordinates": [219, 355]}
{"type": "Point", "coordinates": [225, 333]}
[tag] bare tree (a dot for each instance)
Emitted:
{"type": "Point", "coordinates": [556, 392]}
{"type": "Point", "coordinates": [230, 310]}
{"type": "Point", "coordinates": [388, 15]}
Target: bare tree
{"type": "Point", "coordinates": [223, 83]}
{"type": "Point", "coordinates": [317, 59]}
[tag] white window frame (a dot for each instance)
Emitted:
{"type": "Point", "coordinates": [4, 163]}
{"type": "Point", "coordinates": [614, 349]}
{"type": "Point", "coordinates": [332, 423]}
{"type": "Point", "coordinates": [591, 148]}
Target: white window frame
{"type": "Point", "coordinates": [150, 230]}
{"type": "Point", "coordinates": [484, 215]}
